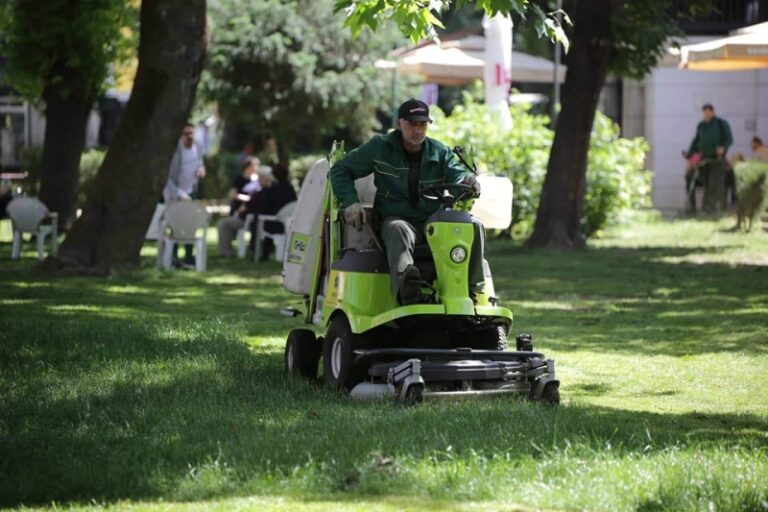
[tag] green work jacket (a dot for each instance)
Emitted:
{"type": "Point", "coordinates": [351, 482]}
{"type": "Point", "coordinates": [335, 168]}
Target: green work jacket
{"type": "Point", "coordinates": [709, 135]}
{"type": "Point", "coordinates": [384, 156]}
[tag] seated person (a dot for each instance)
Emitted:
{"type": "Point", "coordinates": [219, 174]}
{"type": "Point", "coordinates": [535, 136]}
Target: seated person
{"type": "Point", "coordinates": [402, 162]}
{"type": "Point", "coordinates": [759, 150]}
{"type": "Point", "coordinates": [279, 194]}
{"type": "Point", "coordinates": [244, 184]}
{"type": "Point", "coordinates": [229, 226]}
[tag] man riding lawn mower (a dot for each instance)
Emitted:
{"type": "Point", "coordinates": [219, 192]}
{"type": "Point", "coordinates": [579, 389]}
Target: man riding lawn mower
{"type": "Point", "coordinates": [412, 314]}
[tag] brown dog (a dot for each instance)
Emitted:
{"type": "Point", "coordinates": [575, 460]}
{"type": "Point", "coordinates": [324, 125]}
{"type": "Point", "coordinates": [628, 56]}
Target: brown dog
{"type": "Point", "coordinates": [750, 203]}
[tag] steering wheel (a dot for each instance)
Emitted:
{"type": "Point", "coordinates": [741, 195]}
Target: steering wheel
{"type": "Point", "coordinates": [444, 194]}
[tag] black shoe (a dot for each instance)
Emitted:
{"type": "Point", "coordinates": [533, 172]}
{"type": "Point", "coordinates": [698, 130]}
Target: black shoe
{"type": "Point", "coordinates": [410, 286]}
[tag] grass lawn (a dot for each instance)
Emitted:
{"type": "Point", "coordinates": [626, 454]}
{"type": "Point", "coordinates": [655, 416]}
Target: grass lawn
{"type": "Point", "coordinates": [165, 391]}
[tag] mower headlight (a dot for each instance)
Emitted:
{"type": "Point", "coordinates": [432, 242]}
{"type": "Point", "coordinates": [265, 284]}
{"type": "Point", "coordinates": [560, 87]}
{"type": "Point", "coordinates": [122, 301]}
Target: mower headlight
{"type": "Point", "coordinates": [458, 254]}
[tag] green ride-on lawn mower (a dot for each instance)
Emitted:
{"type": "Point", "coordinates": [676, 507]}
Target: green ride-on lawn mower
{"type": "Point", "coordinates": [452, 345]}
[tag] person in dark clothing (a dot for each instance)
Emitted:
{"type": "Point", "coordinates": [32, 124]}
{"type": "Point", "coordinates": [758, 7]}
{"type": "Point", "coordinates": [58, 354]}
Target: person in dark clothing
{"type": "Point", "coordinates": [229, 226]}
{"type": "Point", "coordinates": [269, 202]}
{"type": "Point", "coordinates": [244, 184]}
{"type": "Point", "coordinates": [712, 140]}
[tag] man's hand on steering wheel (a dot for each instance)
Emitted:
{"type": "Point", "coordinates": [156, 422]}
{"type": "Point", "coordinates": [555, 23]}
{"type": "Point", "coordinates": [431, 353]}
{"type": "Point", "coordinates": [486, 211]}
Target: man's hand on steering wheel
{"type": "Point", "coordinates": [471, 180]}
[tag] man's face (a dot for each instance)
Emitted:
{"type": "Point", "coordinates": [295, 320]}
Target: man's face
{"type": "Point", "coordinates": [188, 136]}
{"type": "Point", "coordinates": [754, 145]}
{"type": "Point", "coordinates": [414, 132]}
{"type": "Point", "coordinates": [708, 114]}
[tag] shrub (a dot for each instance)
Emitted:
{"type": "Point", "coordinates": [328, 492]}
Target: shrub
{"type": "Point", "coordinates": [90, 161]}
{"type": "Point", "coordinates": [617, 184]}
{"type": "Point", "coordinates": [616, 181]}
{"type": "Point", "coordinates": [751, 180]}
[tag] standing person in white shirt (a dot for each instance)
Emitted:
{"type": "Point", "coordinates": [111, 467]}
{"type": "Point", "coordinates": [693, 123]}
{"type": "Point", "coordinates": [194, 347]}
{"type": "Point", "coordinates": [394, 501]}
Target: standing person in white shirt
{"type": "Point", "coordinates": [186, 169]}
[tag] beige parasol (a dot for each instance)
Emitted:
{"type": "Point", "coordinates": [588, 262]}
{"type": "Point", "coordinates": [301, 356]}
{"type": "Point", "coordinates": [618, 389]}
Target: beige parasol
{"type": "Point", "coordinates": [745, 49]}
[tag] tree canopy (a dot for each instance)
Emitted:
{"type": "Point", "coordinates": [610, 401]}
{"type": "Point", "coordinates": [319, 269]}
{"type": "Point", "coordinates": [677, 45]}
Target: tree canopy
{"type": "Point", "coordinates": [417, 19]}
{"type": "Point", "coordinates": [289, 68]}
{"type": "Point", "coordinates": [74, 44]}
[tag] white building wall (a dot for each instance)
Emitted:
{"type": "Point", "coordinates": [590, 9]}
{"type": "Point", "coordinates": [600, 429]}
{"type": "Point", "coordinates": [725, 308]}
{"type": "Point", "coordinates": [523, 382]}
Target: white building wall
{"type": "Point", "coordinates": [673, 100]}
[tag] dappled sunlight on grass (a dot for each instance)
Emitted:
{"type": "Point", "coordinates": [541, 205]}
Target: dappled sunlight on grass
{"type": "Point", "coordinates": [167, 387]}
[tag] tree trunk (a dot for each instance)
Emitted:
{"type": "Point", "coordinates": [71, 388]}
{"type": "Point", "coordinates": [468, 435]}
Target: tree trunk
{"type": "Point", "coordinates": [118, 209]}
{"type": "Point", "coordinates": [558, 219]}
{"type": "Point", "coordinates": [66, 120]}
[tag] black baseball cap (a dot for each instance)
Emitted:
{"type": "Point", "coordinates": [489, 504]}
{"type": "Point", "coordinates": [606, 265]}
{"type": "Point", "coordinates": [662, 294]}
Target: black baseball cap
{"type": "Point", "coordinates": [414, 110]}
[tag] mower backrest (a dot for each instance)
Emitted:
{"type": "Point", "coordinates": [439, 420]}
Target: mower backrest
{"type": "Point", "coordinates": [360, 240]}
{"type": "Point", "coordinates": [366, 190]}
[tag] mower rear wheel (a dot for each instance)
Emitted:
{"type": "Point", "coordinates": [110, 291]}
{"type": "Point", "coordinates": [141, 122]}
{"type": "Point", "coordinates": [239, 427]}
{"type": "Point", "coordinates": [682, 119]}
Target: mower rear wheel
{"type": "Point", "coordinates": [338, 356]}
{"type": "Point", "coordinates": [302, 353]}
{"type": "Point", "coordinates": [494, 338]}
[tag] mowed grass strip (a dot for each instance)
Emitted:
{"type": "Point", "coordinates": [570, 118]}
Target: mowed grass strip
{"type": "Point", "coordinates": [154, 388]}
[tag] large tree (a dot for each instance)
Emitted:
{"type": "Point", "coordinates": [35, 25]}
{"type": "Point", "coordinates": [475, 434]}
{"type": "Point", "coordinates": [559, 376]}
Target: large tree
{"type": "Point", "coordinates": [288, 68]}
{"type": "Point", "coordinates": [625, 37]}
{"type": "Point", "coordinates": [59, 54]}
{"type": "Point", "coordinates": [119, 206]}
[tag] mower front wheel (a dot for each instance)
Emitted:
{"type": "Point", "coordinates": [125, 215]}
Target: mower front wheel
{"type": "Point", "coordinates": [494, 338]}
{"type": "Point", "coordinates": [550, 395]}
{"type": "Point", "coordinates": [302, 354]}
{"type": "Point", "coordinates": [338, 356]}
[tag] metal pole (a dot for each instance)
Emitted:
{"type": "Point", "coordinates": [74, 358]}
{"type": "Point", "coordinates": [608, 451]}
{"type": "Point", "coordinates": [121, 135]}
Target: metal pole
{"type": "Point", "coordinates": [556, 86]}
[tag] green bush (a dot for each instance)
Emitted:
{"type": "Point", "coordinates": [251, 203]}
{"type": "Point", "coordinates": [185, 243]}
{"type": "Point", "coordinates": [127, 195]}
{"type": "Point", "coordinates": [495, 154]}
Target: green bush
{"type": "Point", "coordinates": [616, 181]}
{"type": "Point", "coordinates": [90, 162]}
{"type": "Point", "coordinates": [751, 195]}
{"type": "Point", "coordinates": [220, 171]}
{"type": "Point", "coordinates": [300, 165]}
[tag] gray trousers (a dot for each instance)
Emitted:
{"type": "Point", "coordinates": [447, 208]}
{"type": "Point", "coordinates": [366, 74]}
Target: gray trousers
{"type": "Point", "coordinates": [228, 227]}
{"type": "Point", "coordinates": [401, 236]}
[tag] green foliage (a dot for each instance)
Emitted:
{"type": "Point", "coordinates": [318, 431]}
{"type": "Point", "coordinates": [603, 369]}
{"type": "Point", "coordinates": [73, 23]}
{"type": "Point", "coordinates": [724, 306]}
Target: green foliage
{"type": "Point", "coordinates": [31, 157]}
{"type": "Point", "coordinates": [751, 186]}
{"type": "Point", "coordinates": [300, 166]}
{"type": "Point", "coordinates": [748, 172]}
{"type": "Point", "coordinates": [417, 19]}
{"type": "Point", "coordinates": [220, 171]}
{"type": "Point", "coordinates": [520, 154]}
{"type": "Point", "coordinates": [90, 161]}
{"type": "Point", "coordinates": [616, 182]}
{"type": "Point", "coordinates": [288, 68]}
{"type": "Point", "coordinates": [641, 29]}
{"type": "Point", "coordinates": [68, 44]}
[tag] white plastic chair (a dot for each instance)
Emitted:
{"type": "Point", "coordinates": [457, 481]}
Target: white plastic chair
{"type": "Point", "coordinates": [242, 247]}
{"type": "Point", "coordinates": [283, 216]}
{"type": "Point", "coordinates": [181, 223]}
{"type": "Point", "coordinates": [153, 230]}
{"type": "Point", "coordinates": [27, 215]}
